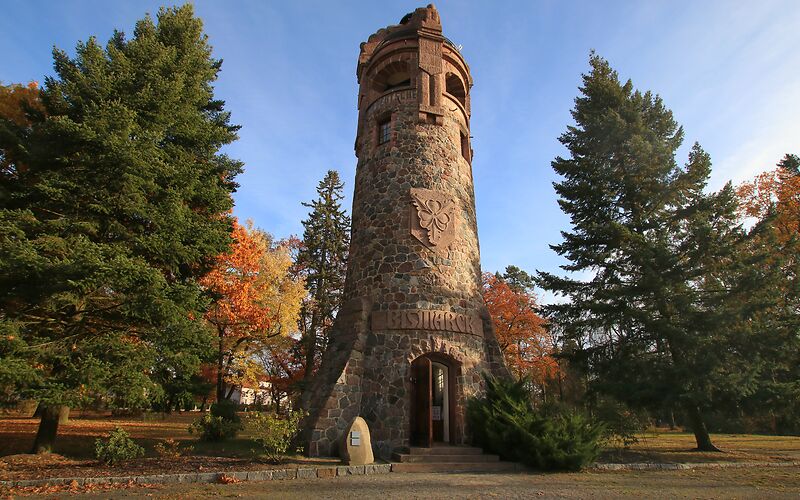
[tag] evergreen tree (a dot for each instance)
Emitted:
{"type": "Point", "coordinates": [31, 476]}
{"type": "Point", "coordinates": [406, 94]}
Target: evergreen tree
{"type": "Point", "coordinates": [774, 200]}
{"type": "Point", "coordinates": [115, 198]}
{"type": "Point", "coordinates": [664, 318]}
{"type": "Point", "coordinates": [517, 279]}
{"type": "Point", "coordinates": [323, 257]}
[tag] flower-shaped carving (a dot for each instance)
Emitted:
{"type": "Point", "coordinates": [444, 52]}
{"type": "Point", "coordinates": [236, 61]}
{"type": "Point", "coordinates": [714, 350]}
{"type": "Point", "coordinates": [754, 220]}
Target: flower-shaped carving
{"type": "Point", "coordinates": [433, 215]}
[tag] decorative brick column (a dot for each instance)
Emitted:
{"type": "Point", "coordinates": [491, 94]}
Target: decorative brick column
{"type": "Point", "coordinates": [413, 279]}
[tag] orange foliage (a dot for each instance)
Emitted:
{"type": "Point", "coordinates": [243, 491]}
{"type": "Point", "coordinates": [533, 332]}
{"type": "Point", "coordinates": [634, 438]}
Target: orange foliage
{"type": "Point", "coordinates": [777, 190]}
{"type": "Point", "coordinates": [16, 104]}
{"type": "Point", "coordinates": [256, 299]}
{"type": "Point", "coordinates": [525, 343]}
{"type": "Point", "coordinates": [16, 100]}
{"type": "Point", "coordinates": [236, 281]}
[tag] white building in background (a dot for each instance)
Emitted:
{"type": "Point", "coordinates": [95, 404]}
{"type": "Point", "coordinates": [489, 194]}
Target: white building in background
{"type": "Point", "coordinates": [260, 395]}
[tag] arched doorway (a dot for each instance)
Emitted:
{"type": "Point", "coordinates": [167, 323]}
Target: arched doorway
{"type": "Point", "coordinates": [433, 400]}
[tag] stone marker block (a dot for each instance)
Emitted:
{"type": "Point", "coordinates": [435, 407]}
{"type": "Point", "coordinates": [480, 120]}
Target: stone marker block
{"type": "Point", "coordinates": [356, 448]}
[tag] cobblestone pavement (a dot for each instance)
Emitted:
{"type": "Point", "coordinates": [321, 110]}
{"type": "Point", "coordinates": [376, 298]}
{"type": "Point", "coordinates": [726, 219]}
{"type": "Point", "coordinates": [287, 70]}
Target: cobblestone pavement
{"type": "Point", "coordinates": [722, 483]}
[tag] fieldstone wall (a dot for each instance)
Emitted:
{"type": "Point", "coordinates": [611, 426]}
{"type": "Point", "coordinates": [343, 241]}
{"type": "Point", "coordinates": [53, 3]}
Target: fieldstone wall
{"type": "Point", "coordinates": [414, 244]}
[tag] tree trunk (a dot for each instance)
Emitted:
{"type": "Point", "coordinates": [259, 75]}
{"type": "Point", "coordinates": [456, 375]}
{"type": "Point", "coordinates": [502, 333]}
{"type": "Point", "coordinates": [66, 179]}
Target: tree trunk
{"type": "Point", "coordinates": [48, 429]}
{"type": "Point", "coordinates": [699, 428]}
{"type": "Point", "coordinates": [63, 415]}
{"type": "Point", "coordinates": [560, 379]}
{"type": "Point", "coordinates": [220, 368]}
{"type": "Point", "coordinates": [311, 346]}
{"type": "Point", "coordinates": [672, 425]}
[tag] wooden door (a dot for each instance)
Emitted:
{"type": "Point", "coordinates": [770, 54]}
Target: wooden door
{"type": "Point", "coordinates": [421, 428]}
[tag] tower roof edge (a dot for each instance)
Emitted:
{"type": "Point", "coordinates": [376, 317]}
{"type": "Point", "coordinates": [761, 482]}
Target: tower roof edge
{"type": "Point", "coordinates": [423, 19]}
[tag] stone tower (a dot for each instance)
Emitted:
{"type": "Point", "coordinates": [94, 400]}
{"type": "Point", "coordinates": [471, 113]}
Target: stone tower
{"type": "Point", "coordinates": [413, 337]}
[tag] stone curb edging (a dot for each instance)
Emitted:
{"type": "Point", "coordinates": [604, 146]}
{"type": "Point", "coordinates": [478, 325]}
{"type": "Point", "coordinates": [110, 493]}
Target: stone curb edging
{"type": "Point", "coordinates": [694, 465]}
{"type": "Point", "coordinates": [211, 477]}
{"type": "Point", "coordinates": [334, 471]}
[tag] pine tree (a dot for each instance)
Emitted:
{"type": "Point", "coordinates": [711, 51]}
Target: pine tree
{"type": "Point", "coordinates": [664, 318]}
{"type": "Point", "coordinates": [773, 198]}
{"type": "Point", "coordinates": [323, 257]}
{"type": "Point", "coordinates": [115, 199]}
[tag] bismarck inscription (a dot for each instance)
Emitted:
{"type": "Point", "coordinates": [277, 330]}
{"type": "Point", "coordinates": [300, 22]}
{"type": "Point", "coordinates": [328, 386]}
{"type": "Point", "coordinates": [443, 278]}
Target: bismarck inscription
{"type": "Point", "coordinates": [433, 218]}
{"type": "Point", "coordinates": [424, 319]}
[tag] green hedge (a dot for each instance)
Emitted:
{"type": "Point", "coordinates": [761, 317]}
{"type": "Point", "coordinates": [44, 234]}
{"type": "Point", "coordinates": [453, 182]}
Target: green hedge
{"type": "Point", "coordinates": [505, 423]}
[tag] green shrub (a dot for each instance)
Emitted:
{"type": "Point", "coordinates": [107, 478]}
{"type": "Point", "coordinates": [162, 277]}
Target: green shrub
{"type": "Point", "coordinates": [273, 433]}
{"type": "Point", "coordinates": [211, 428]}
{"type": "Point", "coordinates": [117, 448]}
{"type": "Point", "coordinates": [622, 424]}
{"type": "Point", "coordinates": [226, 409]}
{"type": "Point", "coordinates": [222, 423]}
{"type": "Point", "coordinates": [505, 423]}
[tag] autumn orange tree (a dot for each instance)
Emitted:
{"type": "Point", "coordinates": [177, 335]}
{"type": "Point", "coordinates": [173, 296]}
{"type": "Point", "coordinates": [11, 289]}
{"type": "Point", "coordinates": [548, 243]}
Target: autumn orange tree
{"type": "Point", "coordinates": [19, 105]}
{"type": "Point", "coordinates": [17, 102]}
{"type": "Point", "coordinates": [775, 193]}
{"type": "Point", "coordinates": [526, 344]}
{"type": "Point", "coordinates": [256, 299]}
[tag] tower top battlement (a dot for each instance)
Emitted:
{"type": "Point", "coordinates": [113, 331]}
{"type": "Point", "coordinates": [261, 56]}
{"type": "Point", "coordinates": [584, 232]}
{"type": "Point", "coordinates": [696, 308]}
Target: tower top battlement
{"type": "Point", "coordinates": [423, 20]}
{"type": "Point", "coordinates": [415, 56]}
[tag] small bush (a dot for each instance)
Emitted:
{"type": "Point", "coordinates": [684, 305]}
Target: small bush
{"type": "Point", "coordinates": [169, 448]}
{"type": "Point", "coordinates": [622, 424]}
{"type": "Point", "coordinates": [211, 428]}
{"type": "Point", "coordinates": [505, 423]}
{"type": "Point", "coordinates": [222, 423]}
{"type": "Point", "coordinates": [226, 409]}
{"type": "Point", "coordinates": [117, 448]}
{"type": "Point", "coordinates": [274, 434]}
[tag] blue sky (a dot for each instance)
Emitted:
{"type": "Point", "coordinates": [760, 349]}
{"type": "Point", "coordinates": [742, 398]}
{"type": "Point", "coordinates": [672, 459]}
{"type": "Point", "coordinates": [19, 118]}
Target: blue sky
{"type": "Point", "coordinates": [729, 70]}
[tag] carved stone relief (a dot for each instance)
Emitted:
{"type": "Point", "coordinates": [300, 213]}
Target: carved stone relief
{"type": "Point", "coordinates": [419, 319]}
{"type": "Point", "coordinates": [433, 218]}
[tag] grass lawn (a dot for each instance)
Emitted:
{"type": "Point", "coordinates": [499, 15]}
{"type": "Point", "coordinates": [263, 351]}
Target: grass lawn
{"type": "Point", "coordinates": [74, 451]}
{"type": "Point", "coordinates": [676, 447]}
{"type": "Point", "coordinates": [76, 439]}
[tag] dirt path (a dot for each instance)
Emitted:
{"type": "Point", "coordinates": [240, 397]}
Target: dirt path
{"type": "Point", "coordinates": [723, 483]}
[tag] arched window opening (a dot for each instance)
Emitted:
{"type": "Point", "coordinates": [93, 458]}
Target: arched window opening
{"type": "Point", "coordinates": [455, 88]}
{"type": "Point", "coordinates": [392, 76]}
{"type": "Point", "coordinates": [465, 149]}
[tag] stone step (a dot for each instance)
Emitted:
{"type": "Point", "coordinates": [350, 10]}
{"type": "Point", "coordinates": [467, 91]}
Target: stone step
{"type": "Point", "coordinates": [444, 450]}
{"type": "Point", "coordinates": [456, 467]}
{"type": "Point", "coordinates": [473, 458]}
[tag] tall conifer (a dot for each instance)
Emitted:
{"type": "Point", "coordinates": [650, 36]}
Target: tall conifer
{"type": "Point", "coordinates": [663, 285]}
{"type": "Point", "coordinates": [115, 199]}
{"type": "Point", "coordinates": [326, 240]}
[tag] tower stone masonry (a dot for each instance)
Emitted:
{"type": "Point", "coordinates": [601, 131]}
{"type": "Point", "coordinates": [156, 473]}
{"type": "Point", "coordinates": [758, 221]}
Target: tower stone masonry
{"type": "Point", "coordinates": [413, 337]}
